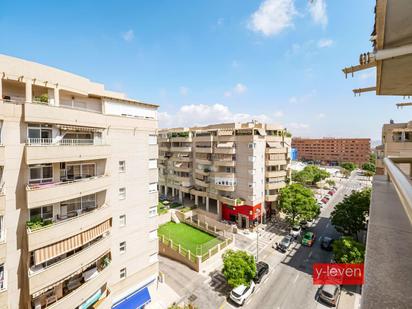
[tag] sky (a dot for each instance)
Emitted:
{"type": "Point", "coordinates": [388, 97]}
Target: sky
{"type": "Point", "coordinates": [209, 61]}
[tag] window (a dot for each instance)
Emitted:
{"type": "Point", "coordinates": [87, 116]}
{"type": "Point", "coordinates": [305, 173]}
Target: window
{"type": "Point", "coordinates": [122, 166]}
{"type": "Point", "coordinates": [152, 187]}
{"type": "Point", "coordinates": [2, 235]}
{"type": "Point", "coordinates": [123, 273]}
{"type": "Point", "coordinates": [79, 171]}
{"type": "Point", "coordinates": [41, 173]}
{"type": "Point", "coordinates": [122, 193]}
{"type": "Point", "coordinates": [251, 184]}
{"type": "Point", "coordinates": [153, 235]}
{"type": "Point", "coordinates": [153, 211]}
{"type": "Point", "coordinates": [252, 145]}
{"type": "Point", "coordinates": [2, 277]}
{"type": "Point", "coordinates": [122, 220]}
{"type": "Point", "coordinates": [252, 172]}
{"type": "Point", "coordinates": [152, 163]}
{"type": "Point", "coordinates": [39, 133]}
{"type": "Point", "coordinates": [122, 247]}
{"type": "Point", "coordinates": [153, 258]}
{"type": "Point", "coordinates": [45, 212]}
{"type": "Point", "coordinates": [251, 158]}
{"type": "Point", "coordinates": [152, 139]}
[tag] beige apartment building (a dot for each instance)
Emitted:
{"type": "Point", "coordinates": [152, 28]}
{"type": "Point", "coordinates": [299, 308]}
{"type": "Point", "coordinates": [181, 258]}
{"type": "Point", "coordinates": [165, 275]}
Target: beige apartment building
{"type": "Point", "coordinates": [396, 142]}
{"type": "Point", "coordinates": [78, 167]}
{"type": "Point", "coordinates": [233, 171]}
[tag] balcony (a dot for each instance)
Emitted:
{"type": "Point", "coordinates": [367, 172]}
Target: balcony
{"type": "Point", "coordinates": [202, 183]}
{"type": "Point", "coordinates": [181, 159]}
{"type": "Point", "coordinates": [49, 193]}
{"type": "Point", "coordinates": [203, 149]}
{"type": "Point", "coordinates": [275, 185]}
{"type": "Point", "coordinates": [231, 201]}
{"type": "Point", "coordinates": [223, 174]}
{"type": "Point", "coordinates": [2, 198]}
{"type": "Point", "coordinates": [44, 113]}
{"type": "Point", "coordinates": [203, 161]}
{"type": "Point", "coordinates": [225, 150]}
{"type": "Point", "coordinates": [276, 162]}
{"type": "Point", "coordinates": [203, 172]}
{"type": "Point", "coordinates": [187, 139]}
{"type": "Point", "coordinates": [45, 150]}
{"type": "Point", "coordinates": [42, 278]}
{"type": "Point", "coordinates": [181, 149]}
{"type": "Point", "coordinates": [199, 193]}
{"type": "Point", "coordinates": [271, 198]}
{"type": "Point", "coordinates": [208, 138]}
{"type": "Point", "coordinates": [276, 150]}
{"type": "Point", "coordinates": [182, 169]}
{"type": "Point", "coordinates": [276, 173]}
{"type": "Point", "coordinates": [2, 155]}
{"type": "Point", "coordinates": [60, 230]}
{"type": "Point", "coordinates": [82, 293]}
{"type": "Point", "coordinates": [3, 252]}
{"type": "Point", "coordinates": [226, 188]}
{"type": "Point", "coordinates": [389, 271]}
{"type": "Point", "coordinates": [224, 162]}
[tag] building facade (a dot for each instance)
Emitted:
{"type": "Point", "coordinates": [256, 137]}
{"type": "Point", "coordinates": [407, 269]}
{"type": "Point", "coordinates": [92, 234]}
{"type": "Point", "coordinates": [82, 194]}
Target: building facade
{"type": "Point", "coordinates": [233, 171]}
{"type": "Point", "coordinates": [77, 222]}
{"type": "Point", "coordinates": [396, 142]}
{"type": "Point", "coordinates": [332, 151]}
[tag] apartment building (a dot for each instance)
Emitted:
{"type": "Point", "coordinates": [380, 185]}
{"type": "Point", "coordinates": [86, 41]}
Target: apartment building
{"type": "Point", "coordinates": [332, 151]}
{"type": "Point", "coordinates": [233, 171]}
{"type": "Point", "coordinates": [396, 142]}
{"type": "Point", "coordinates": [78, 191]}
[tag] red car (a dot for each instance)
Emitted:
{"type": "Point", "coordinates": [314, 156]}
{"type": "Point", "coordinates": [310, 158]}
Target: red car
{"type": "Point", "coordinates": [331, 192]}
{"type": "Point", "coordinates": [325, 200]}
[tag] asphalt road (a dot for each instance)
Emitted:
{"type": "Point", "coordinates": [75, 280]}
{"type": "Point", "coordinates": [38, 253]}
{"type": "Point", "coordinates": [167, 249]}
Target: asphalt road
{"type": "Point", "coordinates": [289, 283]}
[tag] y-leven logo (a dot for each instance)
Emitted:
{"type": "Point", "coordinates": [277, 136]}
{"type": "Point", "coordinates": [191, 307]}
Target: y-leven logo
{"type": "Point", "coordinates": [346, 274]}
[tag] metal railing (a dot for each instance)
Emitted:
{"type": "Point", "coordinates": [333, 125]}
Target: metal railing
{"type": "Point", "coordinates": [59, 183]}
{"type": "Point", "coordinates": [62, 142]}
{"type": "Point", "coordinates": [402, 183]}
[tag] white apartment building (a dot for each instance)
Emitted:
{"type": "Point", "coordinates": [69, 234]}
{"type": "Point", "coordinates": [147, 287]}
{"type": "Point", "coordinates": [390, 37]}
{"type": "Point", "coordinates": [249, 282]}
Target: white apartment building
{"type": "Point", "coordinates": [78, 191]}
{"type": "Point", "coordinates": [233, 171]}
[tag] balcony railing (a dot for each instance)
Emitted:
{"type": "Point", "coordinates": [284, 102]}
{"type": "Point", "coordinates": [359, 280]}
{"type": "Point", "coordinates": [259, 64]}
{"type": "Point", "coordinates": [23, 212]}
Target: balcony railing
{"type": "Point", "coordinates": [401, 182]}
{"type": "Point", "coordinates": [60, 183]}
{"type": "Point", "coordinates": [62, 142]}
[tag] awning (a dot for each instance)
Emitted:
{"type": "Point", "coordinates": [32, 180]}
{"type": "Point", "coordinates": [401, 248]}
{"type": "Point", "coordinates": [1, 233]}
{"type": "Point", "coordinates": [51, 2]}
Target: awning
{"type": "Point", "coordinates": [136, 300]}
{"type": "Point", "coordinates": [274, 145]}
{"type": "Point", "coordinates": [77, 128]}
{"type": "Point", "coordinates": [225, 145]}
{"type": "Point", "coordinates": [94, 298]}
{"type": "Point", "coordinates": [49, 252]}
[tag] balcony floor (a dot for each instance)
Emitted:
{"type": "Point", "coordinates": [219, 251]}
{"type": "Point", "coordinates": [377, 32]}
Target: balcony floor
{"type": "Point", "coordinates": [388, 264]}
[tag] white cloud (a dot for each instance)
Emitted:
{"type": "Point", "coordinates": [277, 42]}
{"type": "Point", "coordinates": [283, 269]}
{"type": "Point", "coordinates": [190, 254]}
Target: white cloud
{"type": "Point", "coordinates": [303, 98]}
{"type": "Point", "coordinates": [184, 91]}
{"type": "Point", "coordinates": [322, 43]}
{"type": "Point", "coordinates": [321, 115]}
{"type": "Point", "coordinates": [278, 114]}
{"type": "Point", "coordinates": [128, 36]}
{"type": "Point", "coordinates": [317, 9]}
{"type": "Point", "coordinates": [239, 88]}
{"type": "Point", "coordinates": [273, 16]}
{"type": "Point", "coordinates": [203, 114]}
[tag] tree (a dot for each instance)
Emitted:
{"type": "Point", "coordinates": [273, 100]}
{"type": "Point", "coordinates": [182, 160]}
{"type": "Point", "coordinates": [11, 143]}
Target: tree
{"type": "Point", "coordinates": [345, 172]}
{"type": "Point", "coordinates": [368, 173]}
{"type": "Point", "coordinates": [372, 158]}
{"type": "Point", "coordinates": [298, 202]}
{"type": "Point", "coordinates": [310, 175]}
{"type": "Point", "coordinates": [330, 182]}
{"type": "Point", "coordinates": [349, 216]}
{"type": "Point", "coordinates": [239, 267]}
{"type": "Point", "coordinates": [350, 166]}
{"type": "Point", "coordinates": [370, 167]}
{"type": "Point", "coordinates": [348, 251]}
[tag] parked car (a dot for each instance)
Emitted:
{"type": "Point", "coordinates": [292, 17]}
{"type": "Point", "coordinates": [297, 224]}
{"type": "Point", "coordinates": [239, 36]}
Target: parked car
{"type": "Point", "coordinates": [295, 231]}
{"type": "Point", "coordinates": [304, 224]}
{"type": "Point", "coordinates": [308, 239]}
{"type": "Point", "coordinates": [326, 243]}
{"type": "Point", "coordinates": [285, 243]}
{"type": "Point", "coordinates": [330, 293]}
{"type": "Point", "coordinates": [262, 269]}
{"type": "Point", "coordinates": [331, 192]}
{"type": "Point", "coordinates": [325, 200]}
{"type": "Point", "coordinates": [241, 293]}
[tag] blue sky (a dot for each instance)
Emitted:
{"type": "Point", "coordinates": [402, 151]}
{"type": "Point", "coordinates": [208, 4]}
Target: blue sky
{"type": "Point", "coordinates": [214, 60]}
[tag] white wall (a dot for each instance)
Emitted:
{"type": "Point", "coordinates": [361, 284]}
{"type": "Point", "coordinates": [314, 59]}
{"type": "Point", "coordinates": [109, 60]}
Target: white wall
{"type": "Point", "coordinates": [128, 109]}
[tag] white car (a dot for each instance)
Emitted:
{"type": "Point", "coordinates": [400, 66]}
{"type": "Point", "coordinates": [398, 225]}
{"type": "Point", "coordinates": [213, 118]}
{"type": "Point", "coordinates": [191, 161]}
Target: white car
{"type": "Point", "coordinates": [295, 231]}
{"type": "Point", "coordinates": [241, 293]}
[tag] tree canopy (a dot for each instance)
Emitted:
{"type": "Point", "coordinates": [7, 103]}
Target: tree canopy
{"type": "Point", "coordinates": [372, 158]}
{"type": "Point", "coordinates": [298, 202]}
{"type": "Point", "coordinates": [239, 267]}
{"type": "Point", "coordinates": [348, 251]}
{"type": "Point", "coordinates": [370, 167]}
{"type": "Point", "coordinates": [349, 216]}
{"type": "Point", "coordinates": [310, 175]}
{"type": "Point", "coordinates": [350, 166]}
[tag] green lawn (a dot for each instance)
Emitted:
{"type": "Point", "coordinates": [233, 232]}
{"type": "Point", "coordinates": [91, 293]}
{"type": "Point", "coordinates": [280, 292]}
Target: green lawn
{"type": "Point", "coordinates": [161, 209]}
{"type": "Point", "coordinates": [188, 237]}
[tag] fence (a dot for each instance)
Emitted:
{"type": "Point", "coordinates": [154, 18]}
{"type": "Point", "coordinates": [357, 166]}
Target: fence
{"type": "Point", "coordinates": [63, 142]}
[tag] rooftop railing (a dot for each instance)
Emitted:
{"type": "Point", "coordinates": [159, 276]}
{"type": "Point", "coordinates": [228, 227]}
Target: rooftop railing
{"type": "Point", "coordinates": [62, 142]}
{"type": "Point", "coordinates": [402, 183]}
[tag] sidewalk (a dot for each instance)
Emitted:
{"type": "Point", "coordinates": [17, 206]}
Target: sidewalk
{"type": "Point", "coordinates": [162, 297]}
{"type": "Point", "coordinates": [349, 299]}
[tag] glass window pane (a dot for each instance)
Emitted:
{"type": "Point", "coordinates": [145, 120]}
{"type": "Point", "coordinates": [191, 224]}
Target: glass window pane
{"type": "Point", "coordinates": [88, 170]}
{"type": "Point", "coordinates": [35, 212]}
{"type": "Point", "coordinates": [47, 172]}
{"type": "Point", "coordinates": [34, 133]}
{"type": "Point", "coordinates": [35, 173]}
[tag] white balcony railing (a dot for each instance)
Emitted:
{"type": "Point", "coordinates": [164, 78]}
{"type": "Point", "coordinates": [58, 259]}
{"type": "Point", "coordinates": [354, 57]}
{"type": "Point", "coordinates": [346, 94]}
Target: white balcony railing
{"type": "Point", "coordinates": [51, 184]}
{"type": "Point", "coordinates": [62, 142]}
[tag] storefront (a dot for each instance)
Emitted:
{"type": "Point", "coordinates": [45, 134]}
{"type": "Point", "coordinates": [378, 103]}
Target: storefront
{"type": "Point", "coordinates": [244, 216]}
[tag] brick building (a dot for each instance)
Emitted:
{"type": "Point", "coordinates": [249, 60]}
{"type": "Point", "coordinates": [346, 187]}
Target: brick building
{"type": "Point", "coordinates": [333, 150]}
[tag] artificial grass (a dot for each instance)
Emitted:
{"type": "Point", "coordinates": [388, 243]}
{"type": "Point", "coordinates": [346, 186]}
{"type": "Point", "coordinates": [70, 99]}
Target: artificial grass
{"type": "Point", "coordinates": [188, 237]}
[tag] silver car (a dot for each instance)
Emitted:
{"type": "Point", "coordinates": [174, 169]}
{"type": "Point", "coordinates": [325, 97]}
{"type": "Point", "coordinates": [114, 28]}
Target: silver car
{"type": "Point", "coordinates": [330, 293]}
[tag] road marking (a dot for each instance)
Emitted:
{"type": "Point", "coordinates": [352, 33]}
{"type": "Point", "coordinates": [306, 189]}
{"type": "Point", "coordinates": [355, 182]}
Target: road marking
{"type": "Point", "coordinates": [327, 225]}
{"type": "Point", "coordinates": [296, 279]}
{"type": "Point", "coordinates": [310, 254]}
